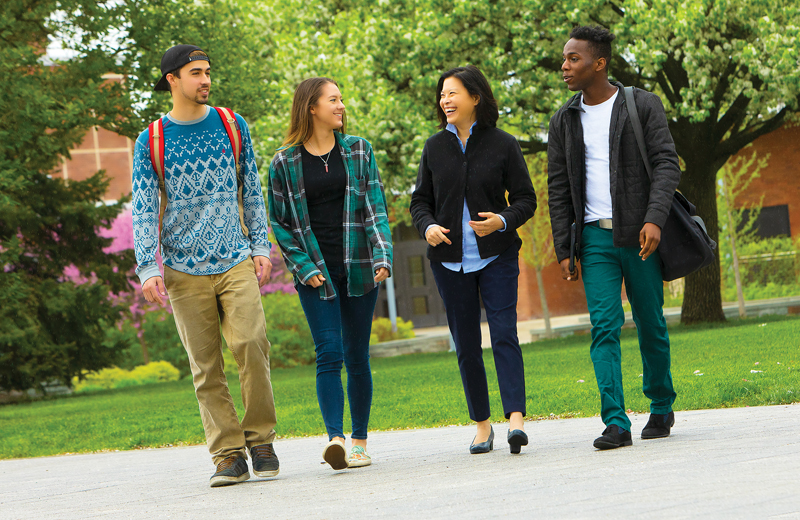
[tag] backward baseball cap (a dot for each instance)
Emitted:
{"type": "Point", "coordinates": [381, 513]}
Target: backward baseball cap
{"type": "Point", "coordinates": [175, 58]}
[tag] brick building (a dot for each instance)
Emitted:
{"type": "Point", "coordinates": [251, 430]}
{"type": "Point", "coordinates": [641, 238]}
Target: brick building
{"type": "Point", "coordinates": [102, 149]}
{"type": "Point", "coordinates": [779, 182]}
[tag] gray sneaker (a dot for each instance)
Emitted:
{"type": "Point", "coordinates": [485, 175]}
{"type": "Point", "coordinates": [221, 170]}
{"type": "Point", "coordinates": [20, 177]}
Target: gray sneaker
{"type": "Point", "coordinates": [232, 470]}
{"type": "Point", "coordinates": [265, 462]}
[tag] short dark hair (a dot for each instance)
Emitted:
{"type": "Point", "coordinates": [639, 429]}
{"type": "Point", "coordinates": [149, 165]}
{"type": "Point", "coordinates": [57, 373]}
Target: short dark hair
{"type": "Point", "coordinates": [177, 72]}
{"type": "Point", "coordinates": [599, 39]}
{"type": "Point", "coordinates": [477, 85]}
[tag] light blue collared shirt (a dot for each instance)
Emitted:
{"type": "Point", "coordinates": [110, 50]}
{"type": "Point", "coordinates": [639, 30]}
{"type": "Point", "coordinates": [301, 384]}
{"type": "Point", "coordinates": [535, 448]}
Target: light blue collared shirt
{"type": "Point", "coordinates": [471, 260]}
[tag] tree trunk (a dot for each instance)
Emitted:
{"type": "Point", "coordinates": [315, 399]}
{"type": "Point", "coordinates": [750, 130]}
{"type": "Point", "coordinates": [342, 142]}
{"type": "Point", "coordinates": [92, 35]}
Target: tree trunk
{"type": "Point", "coordinates": [543, 298]}
{"type": "Point", "coordinates": [540, 283]}
{"type": "Point", "coordinates": [145, 352]}
{"type": "Point", "coordinates": [702, 300]}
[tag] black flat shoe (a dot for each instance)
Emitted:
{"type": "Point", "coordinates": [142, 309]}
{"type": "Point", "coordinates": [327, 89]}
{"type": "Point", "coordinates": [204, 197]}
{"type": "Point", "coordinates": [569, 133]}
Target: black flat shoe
{"type": "Point", "coordinates": [658, 426]}
{"type": "Point", "coordinates": [484, 447]}
{"type": "Point", "coordinates": [613, 438]}
{"type": "Point", "coordinates": [517, 439]}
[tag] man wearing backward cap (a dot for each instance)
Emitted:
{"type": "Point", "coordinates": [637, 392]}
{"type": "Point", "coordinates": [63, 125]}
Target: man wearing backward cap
{"type": "Point", "coordinates": [194, 172]}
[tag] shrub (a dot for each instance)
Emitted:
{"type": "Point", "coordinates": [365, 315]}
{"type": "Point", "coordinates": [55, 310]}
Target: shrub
{"type": "Point", "coordinates": [382, 330]}
{"type": "Point", "coordinates": [155, 333]}
{"type": "Point", "coordinates": [114, 377]}
{"type": "Point", "coordinates": [163, 342]}
{"type": "Point", "coordinates": [768, 269]}
{"type": "Point", "coordinates": [287, 330]}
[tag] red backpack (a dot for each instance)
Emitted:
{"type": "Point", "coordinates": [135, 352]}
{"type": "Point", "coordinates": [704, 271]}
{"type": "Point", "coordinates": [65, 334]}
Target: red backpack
{"type": "Point", "coordinates": [157, 158]}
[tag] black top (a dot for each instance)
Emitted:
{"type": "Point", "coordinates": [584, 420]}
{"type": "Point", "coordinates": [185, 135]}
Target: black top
{"type": "Point", "coordinates": [492, 165]}
{"type": "Point", "coordinates": [634, 199]}
{"type": "Point", "coordinates": [325, 198]}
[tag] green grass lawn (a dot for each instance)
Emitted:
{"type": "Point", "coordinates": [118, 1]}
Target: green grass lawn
{"type": "Point", "coordinates": [425, 390]}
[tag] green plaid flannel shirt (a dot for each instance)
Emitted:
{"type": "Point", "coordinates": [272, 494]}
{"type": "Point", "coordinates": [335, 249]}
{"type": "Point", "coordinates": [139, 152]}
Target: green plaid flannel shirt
{"type": "Point", "coordinates": [367, 238]}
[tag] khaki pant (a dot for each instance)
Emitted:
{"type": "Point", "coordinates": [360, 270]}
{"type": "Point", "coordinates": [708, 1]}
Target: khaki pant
{"type": "Point", "coordinates": [200, 304]}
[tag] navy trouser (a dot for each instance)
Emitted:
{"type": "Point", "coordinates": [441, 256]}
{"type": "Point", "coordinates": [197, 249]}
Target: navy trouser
{"type": "Point", "coordinates": [496, 285]}
{"type": "Point", "coordinates": [604, 268]}
{"type": "Point", "coordinates": [341, 329]}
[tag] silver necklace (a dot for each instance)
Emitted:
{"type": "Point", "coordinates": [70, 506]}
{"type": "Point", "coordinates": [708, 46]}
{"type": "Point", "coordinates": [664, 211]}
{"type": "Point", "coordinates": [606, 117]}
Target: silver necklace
{"type": "Point", "coordinates": [324, 160]}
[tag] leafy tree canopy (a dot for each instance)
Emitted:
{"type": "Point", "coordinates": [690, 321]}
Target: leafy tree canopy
{"type": "Point", "coordinates": [51, 328]}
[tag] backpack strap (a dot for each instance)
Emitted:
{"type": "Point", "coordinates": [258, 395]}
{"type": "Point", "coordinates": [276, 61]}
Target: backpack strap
{"type": "Point", "coordinates": [235, 135]}
{"type": "Point", "coordinates": [156, 131]}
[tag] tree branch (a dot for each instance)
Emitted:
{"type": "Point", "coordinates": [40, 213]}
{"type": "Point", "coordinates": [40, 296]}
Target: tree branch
{"type": "Point", "coordinates": [531, 147]}
{"type": "Point", "coordinates": [736, 113]}
{"type": "Point", "coordinates": [722, 87]}
{"type": "Point", "coordinates": [736, 142]}
{"type": "Point", "coordinates": [671, 78]}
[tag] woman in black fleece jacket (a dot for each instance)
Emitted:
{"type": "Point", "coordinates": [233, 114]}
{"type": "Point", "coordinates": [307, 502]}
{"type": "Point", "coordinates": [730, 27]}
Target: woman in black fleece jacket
{"type": "Point", "coordinates": [459, 206]}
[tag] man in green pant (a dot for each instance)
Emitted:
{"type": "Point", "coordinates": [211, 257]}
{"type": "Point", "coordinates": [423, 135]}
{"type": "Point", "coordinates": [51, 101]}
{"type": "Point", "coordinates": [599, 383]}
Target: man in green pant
{"type": "Point", "coordinates": [598, 181]}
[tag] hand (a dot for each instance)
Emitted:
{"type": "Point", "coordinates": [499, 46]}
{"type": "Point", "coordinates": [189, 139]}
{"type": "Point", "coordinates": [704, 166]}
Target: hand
{"type": "Point", "coordinates": [153, 290]}
{"type": "Point", "coordinates": [381, 274]}
{"type": "Point", "coordinates": [488, 226]}
{"type": "Point", "coordinates": [315, 281]}
{"type": "Point", "coordinates": [649, 238]}
{"type": "Point", "coordinates": [436, 235]}
{"type": "Point", "coordinates": [263, 269]}
{"type": "Point", "coordinates": [566, 274]}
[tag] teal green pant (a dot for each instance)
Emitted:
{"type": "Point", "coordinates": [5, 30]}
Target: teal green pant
{"type": "Point", "coordinates": [604, 268]}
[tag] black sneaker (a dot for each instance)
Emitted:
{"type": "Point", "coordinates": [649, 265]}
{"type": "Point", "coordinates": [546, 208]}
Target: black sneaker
{"type": "Point", "coordinates": [230, 471]}
{"type": "Point", "coordinates": [658, 426]}
{"type": "Point", "coordinates": [265, 462]}
{"type": "Point", "coordinates": [612, 438]}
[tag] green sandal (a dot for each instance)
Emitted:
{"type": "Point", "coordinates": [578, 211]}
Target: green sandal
{"type": "Point", "coordinates": [359, 457]}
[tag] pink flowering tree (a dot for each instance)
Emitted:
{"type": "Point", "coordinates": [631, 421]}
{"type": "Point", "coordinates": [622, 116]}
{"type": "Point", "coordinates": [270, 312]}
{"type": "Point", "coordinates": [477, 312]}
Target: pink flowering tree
{"type": "Point", "coordinates": [132, 300]}
{"type": "Point", "coordinates": [281, 279]}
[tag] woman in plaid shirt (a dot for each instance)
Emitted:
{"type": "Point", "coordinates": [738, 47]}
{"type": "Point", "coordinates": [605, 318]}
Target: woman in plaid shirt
{"type": "Point", "coordinates": [328, 212]}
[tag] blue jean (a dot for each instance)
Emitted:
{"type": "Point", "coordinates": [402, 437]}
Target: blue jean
{"type": "Point", "coordinates": [341, 329]}
{"type": "Point", "coordinates": [496, 285]}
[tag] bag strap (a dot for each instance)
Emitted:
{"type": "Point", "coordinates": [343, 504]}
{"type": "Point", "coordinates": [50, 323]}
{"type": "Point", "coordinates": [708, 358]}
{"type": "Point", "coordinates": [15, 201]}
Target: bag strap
{"type": "Point", "coordinates": [637, 129]}
{"type": "Point", "coordinates": [156, 131]}
{"type": "Point", "coordinates": [229, 122]}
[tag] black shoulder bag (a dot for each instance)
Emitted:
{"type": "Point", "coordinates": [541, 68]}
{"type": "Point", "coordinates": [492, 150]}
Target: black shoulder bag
{"type": "Point", "coordinates": [685, 245]}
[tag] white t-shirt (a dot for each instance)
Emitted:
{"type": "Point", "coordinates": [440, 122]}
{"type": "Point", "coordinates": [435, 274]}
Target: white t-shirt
{"type": "Point", "coordinates": [596, 122]}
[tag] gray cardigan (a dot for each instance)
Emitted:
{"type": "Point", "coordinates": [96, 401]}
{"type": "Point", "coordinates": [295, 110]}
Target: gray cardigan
{"type": "Point", "coordinates": [634, 199]}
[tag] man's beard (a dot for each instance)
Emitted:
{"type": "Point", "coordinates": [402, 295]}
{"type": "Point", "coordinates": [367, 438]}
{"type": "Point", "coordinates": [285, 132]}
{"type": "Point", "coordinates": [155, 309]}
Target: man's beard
{"type": "Point", "coordinates": [197, 98]}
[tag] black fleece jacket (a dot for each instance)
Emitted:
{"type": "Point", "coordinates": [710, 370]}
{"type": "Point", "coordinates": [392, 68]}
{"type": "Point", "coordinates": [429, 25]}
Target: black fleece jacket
{"type": "Point", "coordinates": [492, 165]}
{"type": "Point", "coordinates": [634, 199]}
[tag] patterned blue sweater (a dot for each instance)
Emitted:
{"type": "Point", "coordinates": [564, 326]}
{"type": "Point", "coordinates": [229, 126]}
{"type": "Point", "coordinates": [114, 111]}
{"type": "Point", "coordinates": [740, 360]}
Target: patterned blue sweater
{"type": "Point", "coordinates": [201, 232]}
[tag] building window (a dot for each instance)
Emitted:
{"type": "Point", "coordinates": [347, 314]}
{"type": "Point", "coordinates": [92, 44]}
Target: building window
{"type": "Point", "coordinates": [416, 271]}
{"type": "Point", "coordinates": [419, 305]}
{"type": "Point", "coordinates": [773, 221]}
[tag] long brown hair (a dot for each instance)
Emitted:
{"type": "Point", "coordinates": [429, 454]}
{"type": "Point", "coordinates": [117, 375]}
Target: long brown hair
{"type": "Point", "coordinates": [301, 126]}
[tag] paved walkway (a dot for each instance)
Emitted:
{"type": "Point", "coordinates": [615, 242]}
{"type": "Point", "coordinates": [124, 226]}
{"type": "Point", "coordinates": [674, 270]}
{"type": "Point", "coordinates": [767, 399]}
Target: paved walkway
{"type": "Point", "coordinates": [729, 463]}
